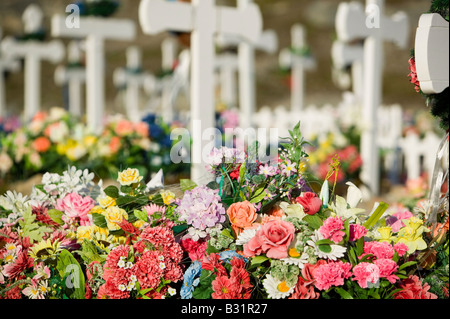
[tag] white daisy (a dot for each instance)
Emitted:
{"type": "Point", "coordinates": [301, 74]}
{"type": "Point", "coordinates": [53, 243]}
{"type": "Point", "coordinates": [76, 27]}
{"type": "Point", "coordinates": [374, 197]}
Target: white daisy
{"type": "Point", "coordinates": [336, 252]}
{"type": "Point", "coordinates": [277, 289]}
{"type": "Point", "coordinates": [171, 291]}
{"type": "Point", "coordinates": [298, 261]}
{"type": "Point", "coordinates": [245, 236]}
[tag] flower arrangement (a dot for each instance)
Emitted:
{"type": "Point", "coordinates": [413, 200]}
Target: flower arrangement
{"type": "Point", "coordinates": [54, 140]}
{"type": "Point", "coordinates": [258, 230]}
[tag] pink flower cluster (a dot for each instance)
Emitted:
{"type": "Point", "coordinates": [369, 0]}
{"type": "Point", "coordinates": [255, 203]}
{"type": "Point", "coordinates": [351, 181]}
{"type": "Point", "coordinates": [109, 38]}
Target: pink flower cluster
{"type": "Point", "coordinates": [332, 229]}
{"type": "Point", "coordinates": [156, 256]}
{"type": "Point", "coordinates": [412, 288]}
{"type": "Point", "coordinates": [332, 274]}
{"type": "Point", "coordinates": [413, 74]}
{"type": "Point", "coordinates": [75, 208]}
{"type": "Point", "coordinates": [195, 249]}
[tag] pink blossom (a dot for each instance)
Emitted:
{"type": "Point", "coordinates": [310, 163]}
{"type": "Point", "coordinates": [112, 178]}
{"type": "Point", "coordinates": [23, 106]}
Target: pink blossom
{"type": "Point", "coordinates": [273, 239]}
{"type": "Point", "coordinates": [332, 274]}
{"type": "Point", "coordinates": [401, 249]}
{"type": "Point", "coordinates": [310, 202]}
{"type": "Point", "coordinates": [332, 229]}
{"type": "Point", "coordinates": [366, 272]}
{"type": "Point", "coordinates": [387, 269]}
{"type": "Point", "coordinates": [378, 250]}
{"type": "Point", "coordinates": [357, 231]}
{"type": "Point", "coordinates": [76, 206]}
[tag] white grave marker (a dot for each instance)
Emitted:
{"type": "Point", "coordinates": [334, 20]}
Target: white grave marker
{"type": "Point", "coordinates": [353, 23]}
{"type": "Point", "coordinates": [95, 30]}
{"type": "Point", "coordinates": [204, 20]}
{"type": "Point", "coordinates": [133, 78]}
{"type": "Point", "coordinates": [298, 65]}
{"type": "Point", "coordinates": [6, 64]}
{"type": "Point", "coordinates": [227, 66]}
{"type": "Point", "coordinates": [432, 53]}
{"type": "Point", "coordinates": [344, 54]}
{"type": "Point", "coordinates": [33, 52]}
{"type": "Point", "coordinates": [74, 76]}
{"type": "Point", "coordinates": [169, 49]}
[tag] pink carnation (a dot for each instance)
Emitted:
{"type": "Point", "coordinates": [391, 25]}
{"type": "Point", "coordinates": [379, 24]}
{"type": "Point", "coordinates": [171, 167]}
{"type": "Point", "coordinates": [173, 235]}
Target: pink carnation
{"type": "Point", "coordinates": [332, 274]}
{"type": "Point", "coordinates": [378, 250]}
{"type": "Point", "coordinates": [332, 229]}
{"type": "Point", "coordinates": [401, 249]}
{"type": "Point", "coordinates": [387, 269]}
{"type": "Point", "coordinates": [357, 231]}
{"type": "Point", "coordinates": [76, 206]}
{"type": "Point", "coordinates": [366, 272]}
{"type": "Point", "coordinates": [195, 249]}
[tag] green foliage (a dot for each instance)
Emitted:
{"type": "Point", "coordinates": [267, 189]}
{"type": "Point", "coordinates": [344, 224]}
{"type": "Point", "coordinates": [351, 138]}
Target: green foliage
{"type": "Point", "coordinates": [31, 228]}
{"type": "Point", "coordinates": [73, 278]}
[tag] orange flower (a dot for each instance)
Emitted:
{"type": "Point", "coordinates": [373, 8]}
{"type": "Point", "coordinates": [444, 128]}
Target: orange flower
{"type": "Point", "coordinates": [141, 128]}
{"type": "Point", "coordinates": [241, 215]}
{"type": "Point", "coordinates": [41, 144]}
{"type": "Point", "coordinates": [114, 144]}
{"type": "Point", "coordinates": [439, 230]}
{"type": "Point", "coordinates": [124, 128]}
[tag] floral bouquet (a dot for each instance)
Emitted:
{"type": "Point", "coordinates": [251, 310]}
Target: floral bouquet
{"type": "Point", "coordinates": [279, 239]}
{"type": "Point", "coordinates": [73, 239]}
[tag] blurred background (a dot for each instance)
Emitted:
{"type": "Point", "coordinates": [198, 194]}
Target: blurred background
{"type": "Point", "coordinates": [272, 84]}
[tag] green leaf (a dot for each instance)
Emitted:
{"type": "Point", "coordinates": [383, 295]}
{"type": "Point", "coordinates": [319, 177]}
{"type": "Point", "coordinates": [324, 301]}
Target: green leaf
{"type": "Point", "coordinates": [112, 191]}
{"type": "Point", "coordinates": [343, 293]}
{"type": "Point", "coordinates": [258, 260]}
{"type": "Point", "coordinates": [407, 264]}
{"type": "Point", "coordinates": [179, 228]}
{"type": "Point", "coordinates": [140, 214]}
{"type": "Point", "coordinates": [259, 197]}
{"type": "Point", "coordinates": [187, 184]}
{"type": "Point", "coordinates": [204, 288]}
{"type": "Point", "coordinates": [325, 248]}
{"type": "Point", "coordinates": [313, 221]}
{"type": "Point", "coordinates": [376, 215]}
{"type": "Point", "coordinates": [70, 270]}
{"type": "Point", "coordinates": [324, 242]}
{"type": "Point", "coordinates": [99, 220]}
{"type": "Point", "coordinates": [56, 215]}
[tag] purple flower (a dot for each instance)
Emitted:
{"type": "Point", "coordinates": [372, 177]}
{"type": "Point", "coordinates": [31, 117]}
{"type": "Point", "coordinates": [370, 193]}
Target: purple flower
{"type": "Point", "coordinates": [201, 208]}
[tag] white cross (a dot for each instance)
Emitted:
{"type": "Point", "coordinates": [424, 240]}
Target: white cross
{"type": "Point", "coordinates": [298, 65]}
{"type": "Point", "coordinates": [6, 64]}
{"type": "Point", "coordinates": [33, 52]}
{"type": "Point", "coordinates": [344, 54]}
{"type": "Point", "coordinates": [74, 77]}
{"type": "Point", "coordinates": [227, 66]}
{"type": "Point", "coordinates": [353, 23]}
{"type": "Point", "coordinates": [133, 78]}
{"type": "Point", "coordinates": [204, 20]}
{"type": "Point", "coordinates": [267, 42]}
{"type": "Point", "coordinates": [432, 53]}
{"type": "Point", "coordinates": [96, 30]}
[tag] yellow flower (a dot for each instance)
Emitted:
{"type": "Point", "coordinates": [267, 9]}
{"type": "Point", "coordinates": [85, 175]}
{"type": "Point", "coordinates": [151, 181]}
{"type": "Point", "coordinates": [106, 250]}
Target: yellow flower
{"type": "Point", "coordinates": [129, 176]}
{"type": "Point", "coordinates": [106, 201]}
{"type": "Point", "coordinates": [76, 152]}
{"type": "Point", "coordinates": [139, 223]}
{"type": "Point", "coordinates": [385, 234]}
{"type": "Point", "coordinates": [84, 232]}
{"type": "Point", "coordinates": [97, 210]}
{"type": "Point", "coordinates": [89, 140]}
{"type": "Point", "coordinates": [100, 231]}
{"type": "Point", "coordinates": [168, 197]}
{"type": "Point", "coordinates": [114, 215]}
{"type": "Point", "coordinates": [411, 234]}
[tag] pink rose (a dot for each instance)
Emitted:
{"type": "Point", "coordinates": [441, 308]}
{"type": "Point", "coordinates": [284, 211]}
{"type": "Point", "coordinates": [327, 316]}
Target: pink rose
{"type": "Point", "coordinates": [76, 206]}
{"type": "Point", "coordinates": [310, 201]}
{"type": "Point", "coordinates": [273, 239]}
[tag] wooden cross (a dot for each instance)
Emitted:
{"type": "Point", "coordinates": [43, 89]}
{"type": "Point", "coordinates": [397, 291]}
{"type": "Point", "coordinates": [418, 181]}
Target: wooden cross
{"type": "Point", "coordinates": [33, 52]}
{"type": "Point", "coordinates": [10, 65]}
{"type": "Point", "coordinates": [290, 58]}
{"type": "Point", "coordinates": [432, 53]}
{"type": "Point", "coordinates": [74, 76]}
{"type": "Point", "coordinates": [95, 30]}
{"type": "Point", "coordinates": [374, 27]}
{"type": "Point", "coordinates": [204, 20]}
{"type": "Point", "coordinates": [133, 78]}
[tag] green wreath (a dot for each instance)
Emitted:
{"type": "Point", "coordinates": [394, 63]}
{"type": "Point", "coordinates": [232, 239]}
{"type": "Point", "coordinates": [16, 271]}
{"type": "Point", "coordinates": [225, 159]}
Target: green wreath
{"type": "Point", "coordinates": [438, 103]}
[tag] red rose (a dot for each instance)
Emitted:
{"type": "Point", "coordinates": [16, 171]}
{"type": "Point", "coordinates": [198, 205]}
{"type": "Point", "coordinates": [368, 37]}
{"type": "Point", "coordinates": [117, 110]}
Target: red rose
{"type": "Point", "coordinates": [310, 201]}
